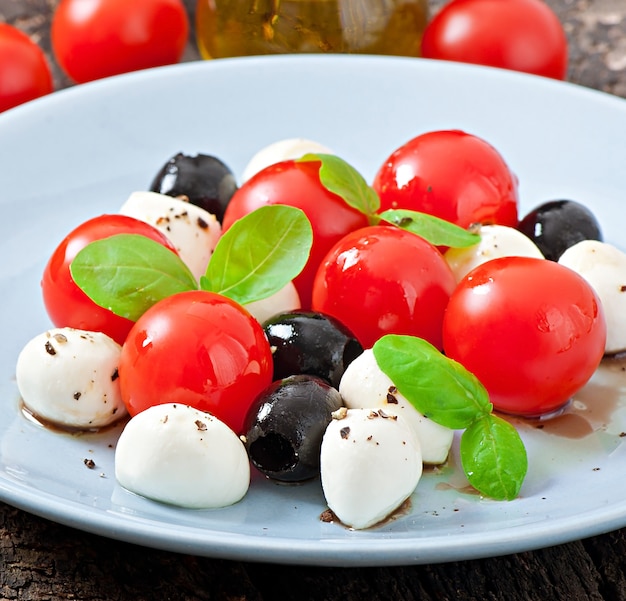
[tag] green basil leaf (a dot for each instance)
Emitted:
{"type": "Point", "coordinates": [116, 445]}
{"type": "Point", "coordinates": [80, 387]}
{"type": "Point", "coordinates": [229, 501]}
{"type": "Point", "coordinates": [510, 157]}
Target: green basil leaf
{"type": "Point", "coordinates": [339, 177]}
{"type": "Point", "coordinates": [259, 254]}
{"type": "Point", "coordinates": [437, 231]}
{"type": "Point", "coordinates": [438, 387]}
{"type": "Point", "coordinates": [128, 273]}
{"type": "Point", "coordinates": [494, 458]}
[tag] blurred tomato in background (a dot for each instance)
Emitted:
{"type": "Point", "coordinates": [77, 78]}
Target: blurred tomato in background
{"type": "Point", "coordinates": [24, 70]}
{"type": "Point", "coordinates": [92, 39]}
{"type": "Point", "coordinates": [521, 35]}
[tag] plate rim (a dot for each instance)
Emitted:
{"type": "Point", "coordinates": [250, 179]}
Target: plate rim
{"type": "Point", "coordinates": [389, 551]}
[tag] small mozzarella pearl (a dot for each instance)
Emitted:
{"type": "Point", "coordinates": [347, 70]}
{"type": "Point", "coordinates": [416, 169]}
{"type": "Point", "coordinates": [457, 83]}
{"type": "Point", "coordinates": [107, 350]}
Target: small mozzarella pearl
{"type": "Point", "coordinates": [364, 384]}
{"type": "Point", "coordinates": [370, 463]}
{"type": "Point", "coordinates": [178, 455]}
{"type": "Point", "coordinates": [193, 231]}
{"type": "Point", "coordinates": [495, 241]}
{"type": "Point", "coordinates": [69, 377]}
{"type": "Point", "coordinates": [283, 150]}
{"type": "Point", "coordinates": [286, 299]}
{"type": "Point", "coordinates": [604, 267]}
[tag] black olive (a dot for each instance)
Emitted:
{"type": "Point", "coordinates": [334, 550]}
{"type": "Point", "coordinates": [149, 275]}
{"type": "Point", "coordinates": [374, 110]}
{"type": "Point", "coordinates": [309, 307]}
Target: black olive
{"type": "Point", "coordinates": [311, 343]}
{"type": "Point", "coordinates": [204, 179]}
{"type": "Point", "coordinates": [285, 425]}
{"type": "Point", "coordinates": [556, 225]}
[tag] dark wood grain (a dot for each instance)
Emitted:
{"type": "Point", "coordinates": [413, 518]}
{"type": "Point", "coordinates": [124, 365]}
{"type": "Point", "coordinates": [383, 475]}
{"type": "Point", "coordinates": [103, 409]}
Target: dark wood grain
{"type": "Point", "coordinates": [41, 560]}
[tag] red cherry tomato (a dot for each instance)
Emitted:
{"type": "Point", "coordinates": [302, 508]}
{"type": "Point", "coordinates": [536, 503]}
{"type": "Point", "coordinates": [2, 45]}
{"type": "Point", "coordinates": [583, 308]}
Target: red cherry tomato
{"type": "Point", "coordinates": [453, 175]}
{"type": "Point", "coordinates": [383, 280]}
{"type": "Point", "coordinates": [66, 304]}
{"type": "Point", "coordinates": [532, 331]}
{"type": "Point", "coordinates": [92, 39]}
{"type": "Point", "coordinates": [24, 70]}
{"type": "Point", "coordinates": [298, 184]}
{"type": "Point", "coordinates": [521, 35]}
{"type": "Point", "coordinates": [196, 348]}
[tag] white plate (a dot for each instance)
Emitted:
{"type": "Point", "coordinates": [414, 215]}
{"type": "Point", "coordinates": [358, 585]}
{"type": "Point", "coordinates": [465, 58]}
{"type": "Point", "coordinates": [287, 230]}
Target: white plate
{"type": "Point", "coordinates": [80, 152]}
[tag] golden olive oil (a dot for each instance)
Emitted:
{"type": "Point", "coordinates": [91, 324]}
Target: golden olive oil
{"type": "Point", "coordinates": [227, 28]}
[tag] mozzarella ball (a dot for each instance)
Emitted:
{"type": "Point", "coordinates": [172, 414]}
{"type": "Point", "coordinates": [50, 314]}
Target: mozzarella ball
{"type": "Point", "coordinates": [283, 150]}
{"type": "Point", "coordinates": [178, 455]}
{"type": "Point", "coordinates": [286, 299]}
{"type": "Point", "coordinates": [364, 384]}
{"type": "Point", "coordinates": [370, 464]}
{"type": "Point", "coordinates": [193, 231]}
{"type": "Point", "coordinates": [69, 377]}
{"type": "Point", "coordinates": [604, 267]}
{"type": "Point", "coordinates": [495, 241]}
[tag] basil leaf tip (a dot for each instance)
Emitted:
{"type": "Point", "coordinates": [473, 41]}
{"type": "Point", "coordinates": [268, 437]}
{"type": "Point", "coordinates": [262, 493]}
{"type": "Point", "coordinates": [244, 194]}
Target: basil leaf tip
{"type": "Point", "coordinates": [340, 178]}
{"type": "Point", "coordinates": [494, 457]}
{"type": "Point", "coordinates": [438, 232]}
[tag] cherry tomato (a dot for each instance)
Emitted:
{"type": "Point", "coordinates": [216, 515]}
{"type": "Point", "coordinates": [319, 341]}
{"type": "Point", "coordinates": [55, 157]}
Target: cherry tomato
{"type": "Point", "coordinates": [521, 35]}
{"type": "Point", "coordinates": [298, 184]}
{"type": "Point", "coordinates": [66, 304]}
{"type": "Point", "coordinates": [24, 70]}
{"type": "Point", "coordinates": [383, 280]}
{"type": "Point", "coordinates": [532, 331]}
{"type": "Point", "coordinates": [196, 348]}
{"type": "Point", "coordinates": [92, 39]}
{"type": "Point", "coordinates": [453, 175]}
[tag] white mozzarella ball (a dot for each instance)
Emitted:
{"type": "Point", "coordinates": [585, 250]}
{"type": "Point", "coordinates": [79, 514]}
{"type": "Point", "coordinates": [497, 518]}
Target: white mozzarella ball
{"type": "Point", "coordinates": [604, 268]}
{"type": "Point", "coordinates": [370, 464]}
{"type": "Point", "coordinates": [286, 299]}
{"type": "Point", "coordinates": [364, 384]}
{"type": "Point", "coordinates": [495, 241]}
{"type": "Point", "coordinates": [282, 150]}
{"type": "Point", "coordinates": [193, 231]}
{"type": "Point", "coordinates": [178, 455]}
{"type": "Point", "coordinates": [69, 377]}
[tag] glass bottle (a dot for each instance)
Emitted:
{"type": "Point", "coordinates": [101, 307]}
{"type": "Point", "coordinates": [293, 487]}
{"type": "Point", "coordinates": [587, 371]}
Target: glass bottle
{"type": "Point", "coordinates": [226, 28]}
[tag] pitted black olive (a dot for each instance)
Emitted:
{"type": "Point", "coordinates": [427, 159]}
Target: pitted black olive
{"type": "Point", "coordinates": [285, 425]}
{"type": "Point", "coordinates": [204, 179]}
{"type": "Point", "coordinates": [556, 225]}
{"type": "Point", "coordinates": [311, 343]}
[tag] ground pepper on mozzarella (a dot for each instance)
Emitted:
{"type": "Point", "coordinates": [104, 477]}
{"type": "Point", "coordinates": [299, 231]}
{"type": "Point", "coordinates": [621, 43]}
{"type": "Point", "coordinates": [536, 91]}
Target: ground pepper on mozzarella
{"type": "Point", "coordinates": [364, 385]}
{"type": "Point", "coordinates": [69, 377]}
{"type": "Point", "coordinates": [193, 231]}
{"type": "Point", "coordinates": [370, 464]}
{"type": "Point", "coordinates": [181, 456]}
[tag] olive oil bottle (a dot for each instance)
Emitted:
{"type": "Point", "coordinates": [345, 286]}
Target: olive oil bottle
{"type": "Point", "coordinates": [226, 28]}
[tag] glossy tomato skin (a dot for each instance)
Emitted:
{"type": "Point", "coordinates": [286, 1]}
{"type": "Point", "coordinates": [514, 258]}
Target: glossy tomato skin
{"type": "Point", "coordinates": [453, 175]}
{"type": "Point", "coordinates": [298, 184]}
{"type": "Point", "coordinates": [24, 70]}
{"type": "Point", "coordinates": [196, 348]}
{"type": "Point", "coordinates": [383, 280]}
{"type": "Point", "coordinates": [92, 39]}
{"type": "Point", "coordinates": [521, 35]}
{"type": "Point", "coordinates": [66, 304]}
{"type": "Point", "coordinates": [531, 331]}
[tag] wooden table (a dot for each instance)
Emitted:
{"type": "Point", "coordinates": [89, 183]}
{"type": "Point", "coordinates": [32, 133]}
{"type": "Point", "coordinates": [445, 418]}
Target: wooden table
{"type": "Point", "coordinates": [43, 560]}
